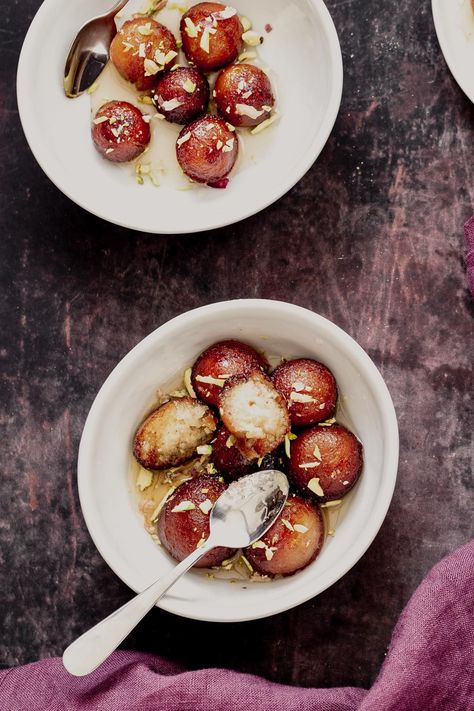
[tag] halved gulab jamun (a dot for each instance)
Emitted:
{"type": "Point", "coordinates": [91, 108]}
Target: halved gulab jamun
{"type": "Point", "coordinates": [243, 95]}
{"type": "Point", "coordinates": [309, 389]}
{"type": "Point", "coordinates": [212, 35]}
{"type": "Point", "coordinates": [181, 95]}
{"type": "Point", "coordinates": [326, 462]}
{"type": "Point", "coordinates": [142, 50]}
{"type": "Point", "coordinates": [120, 132]}
{"type": "Point", "coordinates": [292, 543]}
{"type": "Point", "coordinates": [206, 150]}
{"type": "Point", "coordinates": [183, 523]}
{"type": "Point", "coordinates": [219, 362]}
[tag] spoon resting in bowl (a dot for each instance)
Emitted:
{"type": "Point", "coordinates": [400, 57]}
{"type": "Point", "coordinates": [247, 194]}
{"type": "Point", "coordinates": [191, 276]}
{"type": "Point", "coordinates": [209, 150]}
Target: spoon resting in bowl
{"type": "Point", "coordinates": [241, 515]}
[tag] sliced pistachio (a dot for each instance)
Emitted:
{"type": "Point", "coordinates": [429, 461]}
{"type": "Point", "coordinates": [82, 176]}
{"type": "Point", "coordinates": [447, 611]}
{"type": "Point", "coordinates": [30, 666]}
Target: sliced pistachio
{"type": "Point", "coordinates": [331, 504]}
{"type": "Point", "coordinates": [143, 99]}
{"type": "Point", "coordinates": [128, 46]}
{"type": "Point", "coordinates": [101, 119]}
{"type": "Point", "coordinates": [250, 111]}
{"type": "Point", "coordinates": [183, 506]}
{"type": "Point", "coordinates": [259, 544]}
{"type": "Point", "coordinates": [151, 68]}
{"type": "Point", "coordinates": [204, 41]}
{"type": "Point", "coordinates": [220, 382]}
{"type": "Point", "coordinates": [315, 487]}
{"type": "Point", "coordinates": [317, 453]}
{"type": "Point", "coordinates": [301, 397]}
{"type": "Point", "coordinates": [230, 441]}
{"type": "Point", "coordinates": [309, 465]}
{"type": "Point", "coordinates": [163, 501]}
{"type": "Point", "coordinates": [299, 528]}
{"type": "Point", "coordinates": [210, 468]}
{"type": "Point", "coordinates": [183, 139]}
{"type": "Point", "coordinates": [245, 22]}
{"type": "Point", "coordinates": [188, 384]}
{"type": "Point", "coordinates": [287, 524]}
{"type": "Point", "coordinates": [265, 124]}
{"type": "Point", "coordinates": [229, 146]}
{"type": "Point", "coordinates": [145, 30]}
{"type": "Point", "coordinates": [190, 29]}
{"type": "Point", "coordinates": [189, 86]}
{"type": "Point", "coordinates": [204, 449]}
{"type": "Point", "coordinates": [206, 506]}
{"type": "Point", "coordinates": [327, 423]}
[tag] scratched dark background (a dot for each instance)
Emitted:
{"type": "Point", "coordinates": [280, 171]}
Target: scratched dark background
{"type": "Point", "coordinates": [370, 238]}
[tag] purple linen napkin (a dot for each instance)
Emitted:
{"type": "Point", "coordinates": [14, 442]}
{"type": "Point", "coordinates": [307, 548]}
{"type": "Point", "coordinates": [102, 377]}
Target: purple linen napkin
{"type": "Point", "coordinates": [469, 232]}
{"type": "Point", "coordinates": [429, 667]}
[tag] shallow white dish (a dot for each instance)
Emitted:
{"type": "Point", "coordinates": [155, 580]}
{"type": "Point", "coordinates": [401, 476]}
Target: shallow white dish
{"type": "Point", "coordinates": [105, 487]}
{"type": "Point", "coordinates": [454, 23]}
{"type": "Point", "coordinates": [304, 54]}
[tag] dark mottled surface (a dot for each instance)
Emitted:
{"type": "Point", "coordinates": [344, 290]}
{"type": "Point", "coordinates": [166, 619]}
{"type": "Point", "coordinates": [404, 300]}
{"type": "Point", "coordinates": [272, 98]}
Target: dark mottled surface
{"type": "Point", "coordinates": [371, 238]}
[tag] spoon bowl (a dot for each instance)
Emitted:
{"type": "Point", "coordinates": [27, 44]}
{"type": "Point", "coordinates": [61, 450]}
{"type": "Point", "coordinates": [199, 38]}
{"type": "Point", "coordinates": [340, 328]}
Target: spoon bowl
{"type": "Point", "coordinates": [89, 52]}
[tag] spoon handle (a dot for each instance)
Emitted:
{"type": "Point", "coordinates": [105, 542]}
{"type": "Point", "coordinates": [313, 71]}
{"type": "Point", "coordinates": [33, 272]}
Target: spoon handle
{"type": "Point", "coordinates": [91, 649]}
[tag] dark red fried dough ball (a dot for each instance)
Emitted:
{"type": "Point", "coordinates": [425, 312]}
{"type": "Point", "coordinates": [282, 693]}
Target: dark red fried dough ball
{"type": "Point", "coordinates": [292, 543]}
{"type": "Point", "coordinates": [143, 49]}
{"type": "Point", "coordinates": [309, 389]}
{"type": "Point", "coordinates": [326, 462]}
{"type": "Point", "coordinates": [212, 35]}
{"type": "Point", "coordinates": [119, 131]}
{"type": "Point", "coordinates": [184, 520]}
{"type": "Point", "coordinates": [219, 362]}
{"type": "Point", "coordinates": [227, 459]}
{"type": "Point", "coordinates": [181, 95]}
{"type": "Point", "coordinates": [207, 150]}
{"type": "Point", "coordinates": [243, 95]}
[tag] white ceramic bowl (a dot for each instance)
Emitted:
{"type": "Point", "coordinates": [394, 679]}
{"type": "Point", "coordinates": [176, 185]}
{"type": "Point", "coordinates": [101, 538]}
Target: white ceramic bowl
{"type": "Point", "coordinates": [454, 23]}
{"type": "Point", "coordinates": [105, 486]}
{"type": "Point", "coordinates": [304, 54]}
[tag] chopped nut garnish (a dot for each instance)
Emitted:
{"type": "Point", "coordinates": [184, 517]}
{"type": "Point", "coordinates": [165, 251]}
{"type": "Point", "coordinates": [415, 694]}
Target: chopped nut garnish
{"type": "Point", "coordinates": [144, 479]}
{"type": "Point", "coordinates": [180, 142]}
{"type": "Point", "coordinates": [190, 29]}
{"type": "Point", "coordinates": [204, 449]}
{"type": "Point", "coordinates": [151, 67]}
{"type": "Point", "coordinates": [145, 100]}
{"type": "Point", "coordinates": [252, 38]}
{"type": "Point", "coordinates": [315, 487]}
{"type": "Point", "coordinates": [206, 506]}
{"type": "Point", "coordinates": [265, 124]}
{"type": "Point", "coordinates": [326, 423]}
{"type": "Point", "coordinates": [287, 524]}
{"type": "Point", "coordinates": [189, 86]}
{"type": "Point", "coordinates": [246, 24]}
{"type": "Point", "coordinates": [145, 30]}
{"type": "Point", "coordinates": [183, 506]}
{"type": "Point", "coordinates": [101, 119]}
{"type": "Point", "coordinates": [250, 111]}
{"type": "Point", "coordinates": [309, 465]}
{"type": "Point", "coordinates": [331, 504]}
{"type": "Point", "coordinates": [204, 42]}
{"type": "Point", "coordinates": [317, 453]}
{"type": "Point", "coordinates": [301, 397]}
{"type": "Point", "coordinates": [210, 380]}
{"type": "Point", "coordinates": [187, 380]}
{"type": "Point", "coordinates": [300, 528]}
{"type": "Point", "coordinates": [245, 56]}
{"type": "Point", "coordinates": [230, 441]}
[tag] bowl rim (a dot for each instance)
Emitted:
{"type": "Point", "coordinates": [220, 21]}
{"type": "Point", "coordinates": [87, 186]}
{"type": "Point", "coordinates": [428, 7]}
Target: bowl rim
{"type": "Point", "coordinates": [41, 153]}
{"type": "Point", "coordinates": [282, 309]}
{"type": "Point", "coordinates": [447, 51]}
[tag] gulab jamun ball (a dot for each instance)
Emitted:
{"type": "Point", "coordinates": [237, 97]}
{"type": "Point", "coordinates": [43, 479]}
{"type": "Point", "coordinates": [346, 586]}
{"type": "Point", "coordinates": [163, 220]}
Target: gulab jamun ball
{"type": "Point", "coordinates": [292, 543]}
{"type": "Point", "coordinates": [207, 150]}
{"type": "Point", "coordinates": [309, 389]}
{"type": "Point", "coordinates": [143, 49]}
{"type": "Point", "coordinates": [183, 523]}
{"type": "Point", "coordinates": [211, 35]}
{"type": "Point", "coordinates": [326, 462]}
{"type": "Point", "coordinates": [243, 95]}
{"type": "Point", "coordinates": [219, 362]}
{"type": "Point", "coordinates": [228, 459]}
{"type": "Point", "coordinates": [119, 131]}
{"type": "Point", "coordinates": [181, 95]}
{"type": "Point", "coordinates": [255, 413]}
{"type": "Point", "coordinates": [171, 434]}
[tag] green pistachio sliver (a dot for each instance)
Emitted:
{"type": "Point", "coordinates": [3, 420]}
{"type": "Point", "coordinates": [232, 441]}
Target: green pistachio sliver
{"type": "Point", "coordinates": [183, 506]}
{"type": "Point", "coordinates": [187, 383]}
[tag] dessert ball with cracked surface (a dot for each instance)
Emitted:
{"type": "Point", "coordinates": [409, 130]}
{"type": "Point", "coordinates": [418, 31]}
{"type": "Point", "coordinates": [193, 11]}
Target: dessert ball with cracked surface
{"type": "Point", "coordinates": [171, 434]}
{"type": "Point", "coordinates": [326, 462]}
{"type": "Point", "coordinates": [219, 362]}
{"type": "Point", "coordinates": [211, 35]}
{"type": "Point", "coordinates": [206, 150]}
{"type": "Point", "coordinates": [183, 523]}
{"type": "Point", "coordinates": [181, 95]}
{"type": "Point", "coordinates": [292, 543]}
{"type": "Point", "coordinates": [243, 95]}
{"type": "Point", "coordinates": [120, 132]}
{"type": "Point", "coordinates": [142, 50]}
{"type": "Point", "coordinates": [309, 389]}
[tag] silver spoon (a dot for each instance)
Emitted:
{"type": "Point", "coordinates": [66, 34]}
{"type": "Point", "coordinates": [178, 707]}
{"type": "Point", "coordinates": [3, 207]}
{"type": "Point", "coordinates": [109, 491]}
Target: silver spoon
{"type": "Point", "coordinates": [241, 515]}
{"type": "Point", "coordinates": [89, 52]}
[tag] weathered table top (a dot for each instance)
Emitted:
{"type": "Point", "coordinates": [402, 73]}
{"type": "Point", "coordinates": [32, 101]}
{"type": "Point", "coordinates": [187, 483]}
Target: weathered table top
{"type": "Point", "coordinates": [370, 238]}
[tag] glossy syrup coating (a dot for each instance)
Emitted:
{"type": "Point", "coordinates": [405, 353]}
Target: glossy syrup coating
{"type": "Point", "coordinates": [207, 150]}
{"type": "Point", "coordinates": [309, 389]}
{"type": "Point", "coordinates": [227, 458]}
{"type": "Point", "coordinates": [211, 35]}
{"type": "Point", "coordinates": [292, 543]}
{"type": "Point", "coordinates": [243, 95]}
{"type": "Point", "coordinates": [219, 362]}
{"type": "Point", "coordinates": [326, 462]}
{"type": "Point", "coordinates": [181, 531]}
{"type": "Point", "coordinates": [119, 131]}
{"type": "Point", "coordinates": [181, 95]}
{"type": "Point", "coordinates": [142, 50]}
